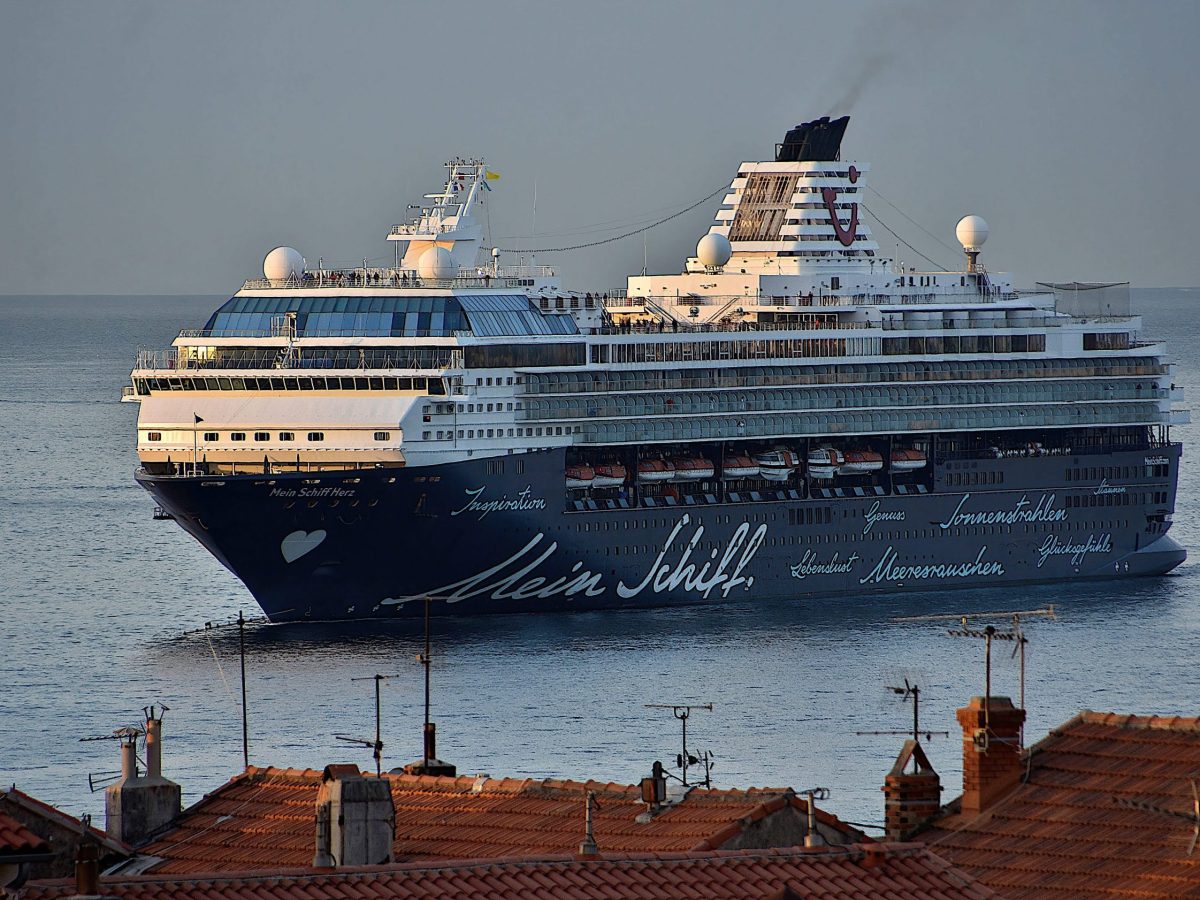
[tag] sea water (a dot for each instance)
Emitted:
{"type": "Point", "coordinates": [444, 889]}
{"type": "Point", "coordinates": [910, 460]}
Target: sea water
{"type": "Point", "coordinates": [102, 612]}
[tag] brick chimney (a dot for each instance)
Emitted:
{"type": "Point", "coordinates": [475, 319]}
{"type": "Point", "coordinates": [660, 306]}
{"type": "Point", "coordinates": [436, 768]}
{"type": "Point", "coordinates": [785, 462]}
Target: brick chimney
{"type": "Point", "coordinates": [137, 806]}
{"type": "Point", "coordinates": [910, 798]}
{"type": "Point", "coordinates": [992, 759]}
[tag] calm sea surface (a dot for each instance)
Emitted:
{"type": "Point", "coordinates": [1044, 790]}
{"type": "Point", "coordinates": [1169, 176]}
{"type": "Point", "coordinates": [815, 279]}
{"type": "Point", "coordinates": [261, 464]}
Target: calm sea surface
{"type": "Point", "coordinates": [96, 600]}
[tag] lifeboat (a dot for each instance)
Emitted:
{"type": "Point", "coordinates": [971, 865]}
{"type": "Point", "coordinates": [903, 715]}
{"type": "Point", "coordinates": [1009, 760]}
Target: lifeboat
{"type": "Point", "coordinates": [907, 460]}
{"type": "Point", "coordinates": [824, 462]}
{"type": "Point", "coordinates": [860, 462]}
{"type": "Point", "coordinates": [653, 471]}
{"type": "Point", "coordinates": [738, 467]}
{"type": "Point", "coordinates": [692, 468]}
{"type": "Point", "coordinates": [580, 476]}
{"type": "Point", "coordinates": [609, 475]}
{"type": "Point", "coordinates": [777, 464]}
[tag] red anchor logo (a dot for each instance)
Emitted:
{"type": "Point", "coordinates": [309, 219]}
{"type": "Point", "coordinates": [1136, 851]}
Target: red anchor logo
{"type": "Point", "coordinates": [845, 236]}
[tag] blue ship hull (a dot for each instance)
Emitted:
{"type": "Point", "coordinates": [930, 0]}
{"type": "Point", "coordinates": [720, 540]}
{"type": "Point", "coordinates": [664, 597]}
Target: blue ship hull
{"type": "Point", "coordinates": [499, 536]}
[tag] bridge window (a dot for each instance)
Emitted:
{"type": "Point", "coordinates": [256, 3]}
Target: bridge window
{"type": "Point", "coordinates": [154, 436]}
{"type": "Point", "coordinates": [287, 436]}
{"type": "Point", "coordinates": [316, 436]}
{"type": "Point", "coordinates": [262, 435]}
{"type": "Point", "coordinates": [237, 436]}
{"type": "Point", "coordinates": [387, 435]}
{"type": "Point", "coordinates": [211, 436]}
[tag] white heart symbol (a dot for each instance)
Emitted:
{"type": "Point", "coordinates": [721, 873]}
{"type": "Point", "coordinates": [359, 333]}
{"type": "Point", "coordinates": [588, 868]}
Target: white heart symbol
{"type": "Point", "coordinates": [296, 544]}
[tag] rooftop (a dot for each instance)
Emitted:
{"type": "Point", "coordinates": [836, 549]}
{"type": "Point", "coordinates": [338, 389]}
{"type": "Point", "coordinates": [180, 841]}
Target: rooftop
{"type": "Point", "coordinates": [1067, 829]}
{"type": "Point", "coordinates": [876, 870]}
{"type": "Point", "coordinates": [263, 819]}
{"type": "Point", "coordinates": [17, 840]}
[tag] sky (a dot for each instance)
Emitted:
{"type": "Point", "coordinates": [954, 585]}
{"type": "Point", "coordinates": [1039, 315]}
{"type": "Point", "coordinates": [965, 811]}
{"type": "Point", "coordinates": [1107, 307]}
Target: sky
{"type": "Point", "coordinates": [159, 147]}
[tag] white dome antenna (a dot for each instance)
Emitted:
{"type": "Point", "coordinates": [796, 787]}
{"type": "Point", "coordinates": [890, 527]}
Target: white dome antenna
{"type": "Point", "coordinates": [436, 264]}
{"type": "Point", "coordinates": [972, 232]}
{"type": "Point", "coordinates": [283, 264]}
{"type": "Point", "coordinates": [713, 251]}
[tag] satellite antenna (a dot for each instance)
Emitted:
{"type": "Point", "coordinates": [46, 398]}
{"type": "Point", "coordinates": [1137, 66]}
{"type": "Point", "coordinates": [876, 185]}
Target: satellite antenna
{"type": "Point", "coordinates": [1194, 818]}
{"type": "Point", "coordinates": [686, 759]}
{"type": "Point", "coordinates": [910, 692]}
{"type": "Point", "coordinates": [377, 744]}
{"type": "Point", "coordinates": [988, 634]}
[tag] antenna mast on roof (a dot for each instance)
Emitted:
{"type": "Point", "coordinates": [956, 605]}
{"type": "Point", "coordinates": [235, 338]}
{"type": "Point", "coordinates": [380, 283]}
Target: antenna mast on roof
{"type": "Point", "coordinates": [684, 760]}
{"type": "Point", "coordinates": [128, 736]}
{"type": "Point", "coordinates": [989, 634]}
{"type": "Point", "coordinates": [910, 692]}
{"type": "Point", "coordinates": [377, 744]}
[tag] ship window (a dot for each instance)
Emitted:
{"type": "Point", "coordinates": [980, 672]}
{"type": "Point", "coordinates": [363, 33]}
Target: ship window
{"type": "Point", "coordinates": [237, 436]}
{"type": "Point", "coordinates": [262, 435]}
{"type": "Point", "coordinates": [154, 436]}
{"type": "Point", "coordinates": [315, 436]}
{"type": "Point", "coordinates": [387, 435]}
{"type": "Point", "coordinates": [287, 435]}
{"type": "Point", "coordinates": [377, 384]}
{"type": "Point", "coordinates": [305, 384]}
{"type": "Point", "coordinates": [211, 436]}
{"type": "Point", "coordinates": [277, 384]}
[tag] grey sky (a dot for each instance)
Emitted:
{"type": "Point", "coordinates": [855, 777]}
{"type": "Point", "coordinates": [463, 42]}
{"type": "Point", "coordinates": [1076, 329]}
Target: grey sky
{"type": "Point", "coordinates": [165, 147]}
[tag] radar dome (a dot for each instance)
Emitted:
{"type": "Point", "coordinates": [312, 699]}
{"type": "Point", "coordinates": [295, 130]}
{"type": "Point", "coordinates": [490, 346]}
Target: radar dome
{"type": "Point", "coordinates": [436, 264]}
{"type": "Point", "coordinates": [713, 250]}
{"type": "Point", "coordinates": [283, 263]}
{"type": "Point", "coordinates": [971, 232]}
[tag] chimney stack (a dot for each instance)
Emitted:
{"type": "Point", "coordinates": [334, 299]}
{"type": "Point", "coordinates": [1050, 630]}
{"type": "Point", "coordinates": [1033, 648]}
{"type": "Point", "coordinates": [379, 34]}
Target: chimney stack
{"type": "Point", "coordinates": [355, 819]}
{"type": "Point", "coordinates": [910, 798]}
{"type": "Point", "coordinates": [87, 868]}
{"type": "Point", "coordinates": [991, 751]}
{"type": "Point", "coordinates": [137, 806]}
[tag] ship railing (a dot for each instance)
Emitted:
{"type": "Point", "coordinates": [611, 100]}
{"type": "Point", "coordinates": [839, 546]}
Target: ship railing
{"type": "Point", "coordinates": [399, 277]}
{"type": "Point", "coordinates": [676, 326]}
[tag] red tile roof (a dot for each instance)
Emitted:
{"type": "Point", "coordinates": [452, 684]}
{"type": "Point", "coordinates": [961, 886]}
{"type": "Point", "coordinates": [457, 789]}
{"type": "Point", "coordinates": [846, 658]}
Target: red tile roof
{"type": "Point", "coordinates": [1064, 831]}
{"type": "Point", "coordinates": [17, 840]}
{"type": "Point", "coordinates": [875, 870]}
{"type": "Point", "coordinates": [264, 818]}
{"type": "Point", "coordinates": [53, 814]}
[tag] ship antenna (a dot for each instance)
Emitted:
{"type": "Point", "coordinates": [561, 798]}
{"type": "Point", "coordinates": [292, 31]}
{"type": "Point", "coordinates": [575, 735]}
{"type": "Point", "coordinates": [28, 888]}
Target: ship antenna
{"type": "Point", "coordinates": [988, 634]}
{"type": "Point", "coordinates": [377, 744]}
{"type": "Point", "coordinates": [686, 759]}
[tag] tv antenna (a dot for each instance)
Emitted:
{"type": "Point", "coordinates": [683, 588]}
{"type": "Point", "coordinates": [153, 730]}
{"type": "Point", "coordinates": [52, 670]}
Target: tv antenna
{"type": "Point", "coordinates": [988, 634]}
{"type": "Point", "coordinates": [1194, 818]}
{"type": "Point", "coordinates": [686, 759]}
{"type": "Point", "coordinates": [910, 692]}
{"type": "Point", "coordinates": [377, 744]}
{"type": "Point", "coordinates": [128, 736]}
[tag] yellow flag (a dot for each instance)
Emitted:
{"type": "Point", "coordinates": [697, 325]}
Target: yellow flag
{"type": "Point", "coordinates": [493, 176]}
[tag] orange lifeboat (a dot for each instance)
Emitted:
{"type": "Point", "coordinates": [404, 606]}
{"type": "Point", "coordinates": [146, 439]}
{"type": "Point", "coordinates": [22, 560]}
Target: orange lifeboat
{"type": "Point", "coordinates": [654, 471]}
{"type": "Point", "coordinates": [580, 476]}
{"type": "Point", "coordinates": [907, 460]}
{"type": "Point", "coordinates": [692, 468]}
{"type": "Point", "coordinates": [609, 475]}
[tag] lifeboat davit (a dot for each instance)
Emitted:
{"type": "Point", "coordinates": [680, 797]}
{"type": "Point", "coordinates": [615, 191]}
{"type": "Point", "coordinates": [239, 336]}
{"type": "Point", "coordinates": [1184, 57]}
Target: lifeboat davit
{"type": "Point", "coordinates": [738, 467]}
{"type": "Point", "coordinates": [609, 475]}
{"type": "Point", "coordinates": [860, 462]}
{"type": "Point", "coordinates": [778, 464]}
{"type": "Point", "coordinates": [692, 468]}
{"type": "Point", "coordinates": [580, 476]}
{"type": "Point", "coordinates": [653, 471]}
{"type": "Point", "coordinates": [824, 462]}
{"type": "Point", "coordinates": [907, 460]}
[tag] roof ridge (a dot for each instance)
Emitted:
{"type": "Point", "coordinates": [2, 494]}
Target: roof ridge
{"type": "Point", "coordinates": [1134, 721]}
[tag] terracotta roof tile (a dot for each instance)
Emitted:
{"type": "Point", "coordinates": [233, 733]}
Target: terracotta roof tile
{"type": "Point", "coordinates": [17, 840]}
{"type": "Point", "coordinates": [1064, 832]}
{"type": "Point", "coordinates": [264, 818]}
{"type": "Point", "coordinates": [877, 870]}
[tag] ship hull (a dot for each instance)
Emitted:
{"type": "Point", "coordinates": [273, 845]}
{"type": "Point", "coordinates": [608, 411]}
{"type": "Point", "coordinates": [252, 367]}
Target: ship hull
{"type": "Point", "coordinates": [499, 536]}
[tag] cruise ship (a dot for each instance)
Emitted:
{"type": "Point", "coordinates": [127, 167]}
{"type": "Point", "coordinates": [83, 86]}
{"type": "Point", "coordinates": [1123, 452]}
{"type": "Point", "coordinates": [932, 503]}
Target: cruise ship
{"type": "Point", "coordinates": [792, 416]}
